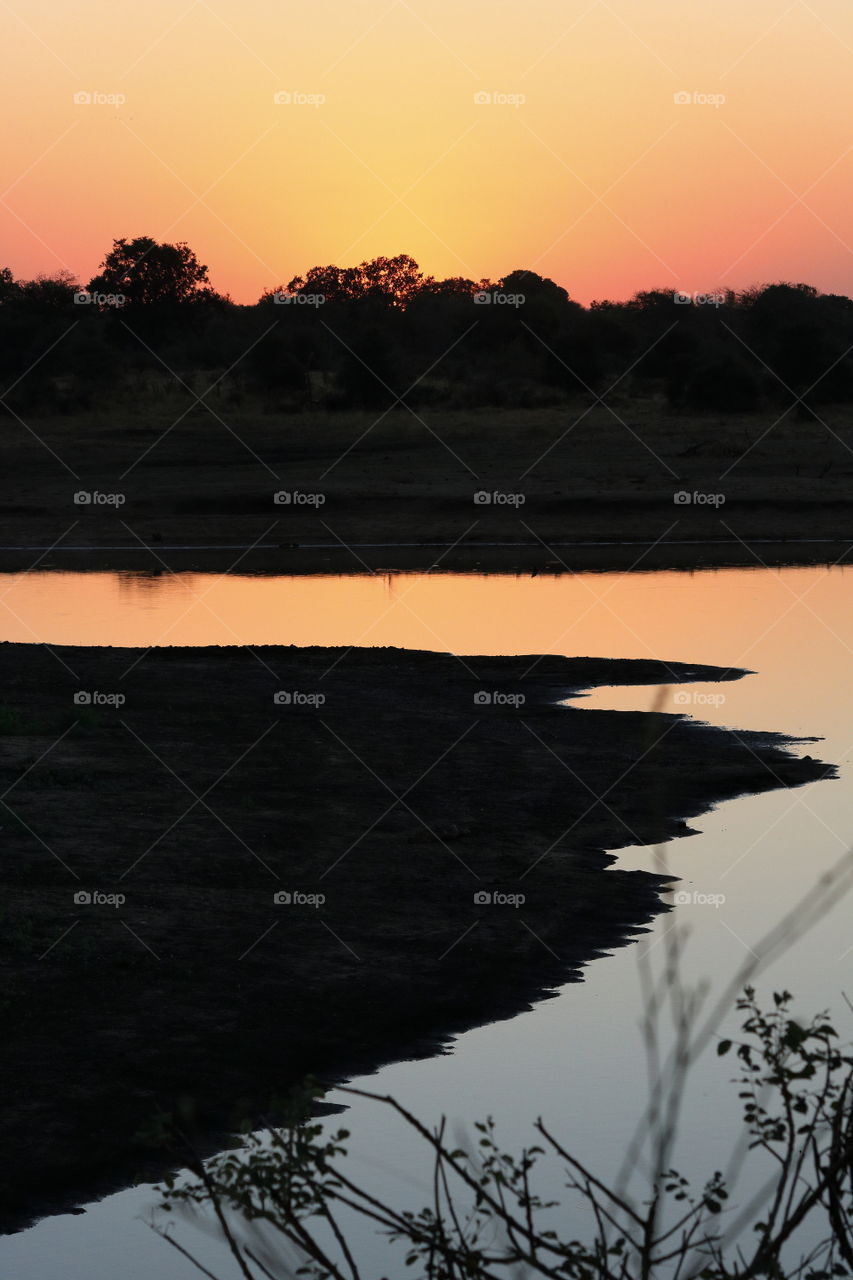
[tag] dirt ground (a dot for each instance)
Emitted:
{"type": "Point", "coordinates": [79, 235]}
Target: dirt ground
{"type": "Point", "coordinates": [751, 489]}
{"type": "Point", "coordinates": [146, 958]}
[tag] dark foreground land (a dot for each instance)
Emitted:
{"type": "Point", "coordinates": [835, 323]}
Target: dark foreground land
{"type": "Point", "coordinates": [397, 489]}
{"type": "Point", "coordinates": [399, 798]}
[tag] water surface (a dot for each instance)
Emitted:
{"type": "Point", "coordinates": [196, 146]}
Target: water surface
{"type": "Point", "coordinates": [577, 1059]}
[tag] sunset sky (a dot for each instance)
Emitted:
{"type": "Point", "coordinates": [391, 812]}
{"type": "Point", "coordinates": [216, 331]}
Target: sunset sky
{"type": "Point", "coordinates": [599, 178]}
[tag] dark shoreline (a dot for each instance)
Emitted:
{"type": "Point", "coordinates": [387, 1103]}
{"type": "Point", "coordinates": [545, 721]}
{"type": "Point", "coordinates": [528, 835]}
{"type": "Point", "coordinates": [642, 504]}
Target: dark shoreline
{"type": "Point", "coordinates": [322, 491]}
{"type": "Point", "coordinates": [509, 558]}
{"type": "Point", "coordinates": [199, 985]}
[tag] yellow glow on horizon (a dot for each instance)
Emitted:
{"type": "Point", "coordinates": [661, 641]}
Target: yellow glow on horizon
{"type": "Point", "coordinates": [598, 179]}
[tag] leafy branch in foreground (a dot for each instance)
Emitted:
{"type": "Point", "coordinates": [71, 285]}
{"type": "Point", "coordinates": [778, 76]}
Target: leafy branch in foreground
{"type": "Point", "coordinates": [288, 1202]}
{"type": "Point", "coordinates": [487, 1219]}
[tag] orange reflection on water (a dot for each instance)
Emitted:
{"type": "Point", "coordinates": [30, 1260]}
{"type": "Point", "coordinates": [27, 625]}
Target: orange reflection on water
{"type": "Point", "coordinates": [721, 616]}
{"type": "Point", "coordinates": [782, 623]}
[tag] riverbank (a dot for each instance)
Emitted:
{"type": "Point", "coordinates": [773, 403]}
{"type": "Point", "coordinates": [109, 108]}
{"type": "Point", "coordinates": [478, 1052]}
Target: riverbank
{"type": "Point", "coordinates": [582, 486]}
{"type": "Point", "coordinates": [382, 810]}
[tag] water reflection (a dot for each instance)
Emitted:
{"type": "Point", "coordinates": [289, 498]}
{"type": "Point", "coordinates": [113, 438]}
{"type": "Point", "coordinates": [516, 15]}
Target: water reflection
{"type": "Point", "coordinates": [152, 580]}
{"type": "Point", "coordinates": [710, 616]}
{"type": "Point", "coordinates": [576, 1059]}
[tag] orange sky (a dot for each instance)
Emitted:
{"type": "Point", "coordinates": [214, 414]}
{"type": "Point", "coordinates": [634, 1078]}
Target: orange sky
{"type": "Point", "coordinates": [599, 178]}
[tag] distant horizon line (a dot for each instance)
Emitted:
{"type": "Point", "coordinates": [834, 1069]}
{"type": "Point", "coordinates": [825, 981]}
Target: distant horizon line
{"type": "Point", "coordinates": [710, 295]}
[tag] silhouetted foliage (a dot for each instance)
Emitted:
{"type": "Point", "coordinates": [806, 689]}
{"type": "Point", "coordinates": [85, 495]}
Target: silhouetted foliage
{"type": "Point", "coordinates": [287, 1201]}
{"type": "Point", "coordinates": [143, 272]}
{"type": "Point", "coordinates": [382, 332]}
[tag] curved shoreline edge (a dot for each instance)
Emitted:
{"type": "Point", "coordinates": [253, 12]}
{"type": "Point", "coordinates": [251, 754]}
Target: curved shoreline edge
{"type": "Point", "coordinates": [397, 798]}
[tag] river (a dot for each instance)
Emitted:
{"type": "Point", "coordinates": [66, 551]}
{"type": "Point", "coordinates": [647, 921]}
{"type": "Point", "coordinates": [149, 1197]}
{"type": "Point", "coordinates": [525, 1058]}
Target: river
{"type": "Point", "coordinates": [576, 1059]}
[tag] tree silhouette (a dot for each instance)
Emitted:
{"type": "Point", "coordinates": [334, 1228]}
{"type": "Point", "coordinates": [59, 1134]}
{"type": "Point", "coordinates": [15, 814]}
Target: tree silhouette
{"type": "Point", "coordinates": [394, 281]}
{"type": "Point", "coordinates": [354, 332]}
{"type": "Point", "coordinates": [144, 272]}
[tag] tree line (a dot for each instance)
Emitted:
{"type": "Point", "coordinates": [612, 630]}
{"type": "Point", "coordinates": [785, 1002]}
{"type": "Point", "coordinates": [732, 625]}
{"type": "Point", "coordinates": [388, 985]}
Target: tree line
{"type": "Point", "coordinates": [370, 336]}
